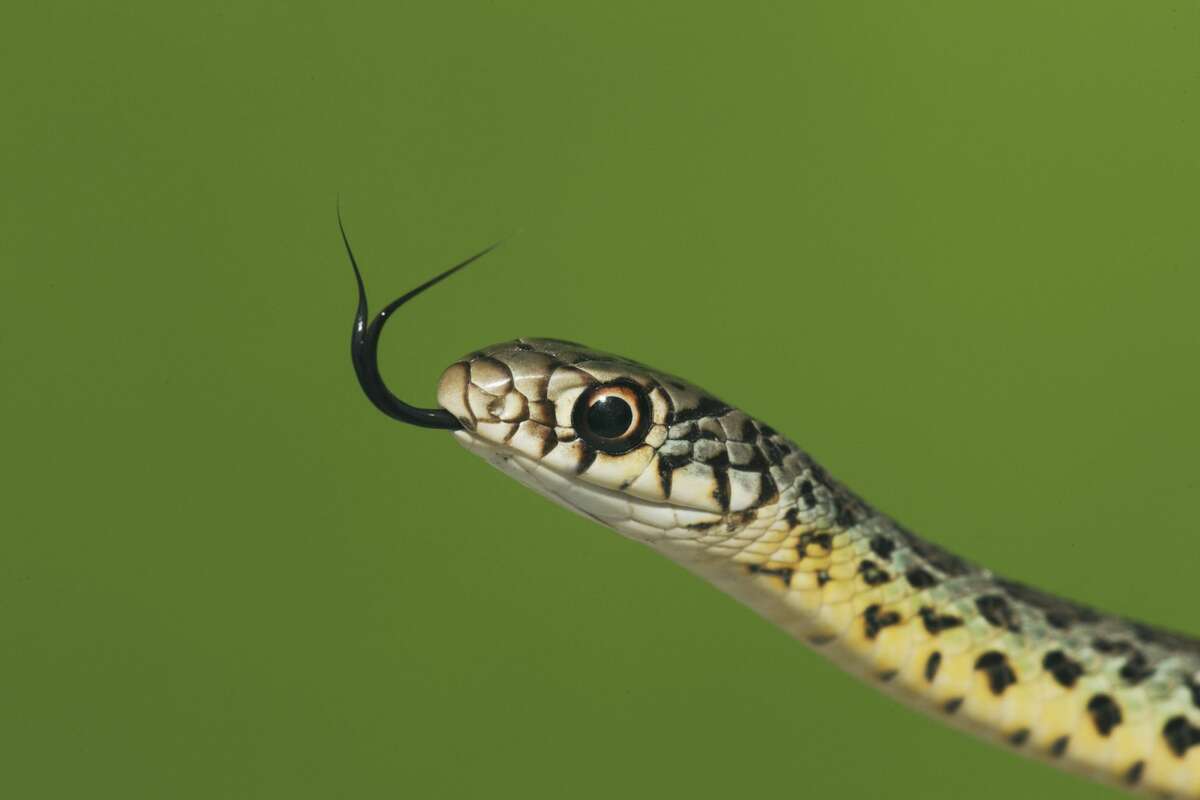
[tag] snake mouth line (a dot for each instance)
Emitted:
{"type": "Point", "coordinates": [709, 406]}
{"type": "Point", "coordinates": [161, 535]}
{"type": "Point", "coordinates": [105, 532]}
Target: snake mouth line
{"type": "Point", "coordinates": [606, 506]}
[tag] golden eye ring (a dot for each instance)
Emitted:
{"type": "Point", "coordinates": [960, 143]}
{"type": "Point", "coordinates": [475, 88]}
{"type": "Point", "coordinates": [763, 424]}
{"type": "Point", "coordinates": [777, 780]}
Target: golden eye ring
{"type": "Point", "coordinates": [612, 417]}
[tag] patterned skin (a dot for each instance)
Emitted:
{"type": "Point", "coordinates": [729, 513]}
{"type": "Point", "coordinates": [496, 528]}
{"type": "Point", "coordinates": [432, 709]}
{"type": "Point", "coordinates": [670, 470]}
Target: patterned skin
{"type": "Point", "coordinates": [665, 463]}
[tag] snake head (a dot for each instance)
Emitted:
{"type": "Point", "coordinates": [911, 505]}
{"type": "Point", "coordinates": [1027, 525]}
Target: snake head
{"type": "Point", "coordinates": [636, 448]}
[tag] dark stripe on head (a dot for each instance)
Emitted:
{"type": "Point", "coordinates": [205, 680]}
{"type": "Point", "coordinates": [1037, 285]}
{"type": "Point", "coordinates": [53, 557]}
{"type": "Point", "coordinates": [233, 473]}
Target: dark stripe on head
{"type": "Point", "coordinates": [721, 485]}
{"type": "Point", "coordinates": [587, 457]}
{"type": "Point", "coordinates": [769, 491]}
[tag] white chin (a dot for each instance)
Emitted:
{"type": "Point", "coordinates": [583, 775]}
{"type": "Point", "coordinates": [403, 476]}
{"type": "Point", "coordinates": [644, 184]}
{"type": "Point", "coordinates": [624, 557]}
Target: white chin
{"type": "Point", "coordinates": [638, 519]}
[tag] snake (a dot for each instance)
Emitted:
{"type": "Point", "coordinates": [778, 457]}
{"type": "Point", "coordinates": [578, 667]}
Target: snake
{"type": "Point", "coordinates": [663, 462]}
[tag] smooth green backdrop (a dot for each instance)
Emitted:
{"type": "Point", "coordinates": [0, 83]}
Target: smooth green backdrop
{"type": "Point", "coordinates": [950, 247]}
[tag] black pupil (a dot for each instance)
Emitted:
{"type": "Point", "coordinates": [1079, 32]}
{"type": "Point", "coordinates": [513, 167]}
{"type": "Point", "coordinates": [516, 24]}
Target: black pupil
{"type": "Point", "coordinates": [609, 417]}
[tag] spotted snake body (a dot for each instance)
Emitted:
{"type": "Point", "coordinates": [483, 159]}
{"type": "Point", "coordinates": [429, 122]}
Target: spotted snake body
{"type": "Point", "coordinates": [739, 504]}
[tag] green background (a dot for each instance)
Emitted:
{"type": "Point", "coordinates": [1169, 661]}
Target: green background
{"type": "Point", "coordinates": [949, 247]}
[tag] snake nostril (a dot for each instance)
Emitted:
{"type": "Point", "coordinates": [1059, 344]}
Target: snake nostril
{"type": "Point", "coordinates": [514, 407]}
{"type": "Point", "coordinates": [495, 407]}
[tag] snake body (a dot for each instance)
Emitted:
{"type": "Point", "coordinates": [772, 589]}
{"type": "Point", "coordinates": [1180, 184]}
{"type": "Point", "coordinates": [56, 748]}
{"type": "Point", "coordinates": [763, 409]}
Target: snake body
{"type": "Point", "coordinates": [733, 500]}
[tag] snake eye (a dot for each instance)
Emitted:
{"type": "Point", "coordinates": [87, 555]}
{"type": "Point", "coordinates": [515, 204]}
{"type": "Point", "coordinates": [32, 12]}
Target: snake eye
{"type": "Point", "coordinates": [612, 417]}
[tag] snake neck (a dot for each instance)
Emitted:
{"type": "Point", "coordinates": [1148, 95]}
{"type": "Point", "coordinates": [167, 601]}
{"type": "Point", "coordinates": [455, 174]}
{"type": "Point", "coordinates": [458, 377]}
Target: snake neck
{"type": "Point", "coordinates": [1105, 696]}
{"type": "Point", "coordinates": [739, 504]}
{"type": "Point", "coordinates": [730, 498]}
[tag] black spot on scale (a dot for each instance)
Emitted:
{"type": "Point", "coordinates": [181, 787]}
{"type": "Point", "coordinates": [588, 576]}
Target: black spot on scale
{"type": "Point", "coordinates": [1018, 737]}
{"type": "Point", "coordinates": [586, 458]}
{"type": "Point", "coordinates": [952, 705]}
{"type": "Point", "coordinates": [936, 623]}
{"type": "Point", "coordinates": [874, 620]}
{"type": "Point", "coordinates": [774, 453]}
{"type": "Point", "coordinates": [721, 485]}
{"type": "Point", "coordinates": [808, 494]}
{"type": "Point", "coordinates": [847, 517]}
{"type": "Point", "coordinates": [1058, 747]}
{"type": "Point", "coordinates": [932, 664]}
{"type": "Point", "coordinates": [996, 610]}
{"type": "Point", "coordinates": [822, 540]}
{"type": "Point", "coordinates": [792, 516]}
{"type": "Point", "coordinates": [1133, 775]}
{"type": "Point", "coordinates": [871, 574]}
{"type": "Point", "coordinates": [1055, 620]}
{"type": "Point", "coordinates": [1064, 669]}
{"type": "Point", "coordinates": [1194, 688]}
{"type": "Point", "coordinates": [768, 492]}
{"type": "Point", "coordinates": [667, 465]}
{"type": "Point", "coordinates": [822, 577]}
{"type": "Point", "coordinates": [883, 547]}
{"type": "Point", "coordinates": [887, 675]}
{"type": "Point", "coordinates": [920, 579]}
{"type": "Point", "coordinates": [1181, 735]}
{"type": "Point", "coordinates": [1110, 646]}
{"type": "Point", "coordinates": [779, 572]}
{"type": "Point", "coordinates": [999, 672]}
{"type": "Point", "coordinates": [1106, 714]}
{"type": "Point", "coordinates": [1135, 670]}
